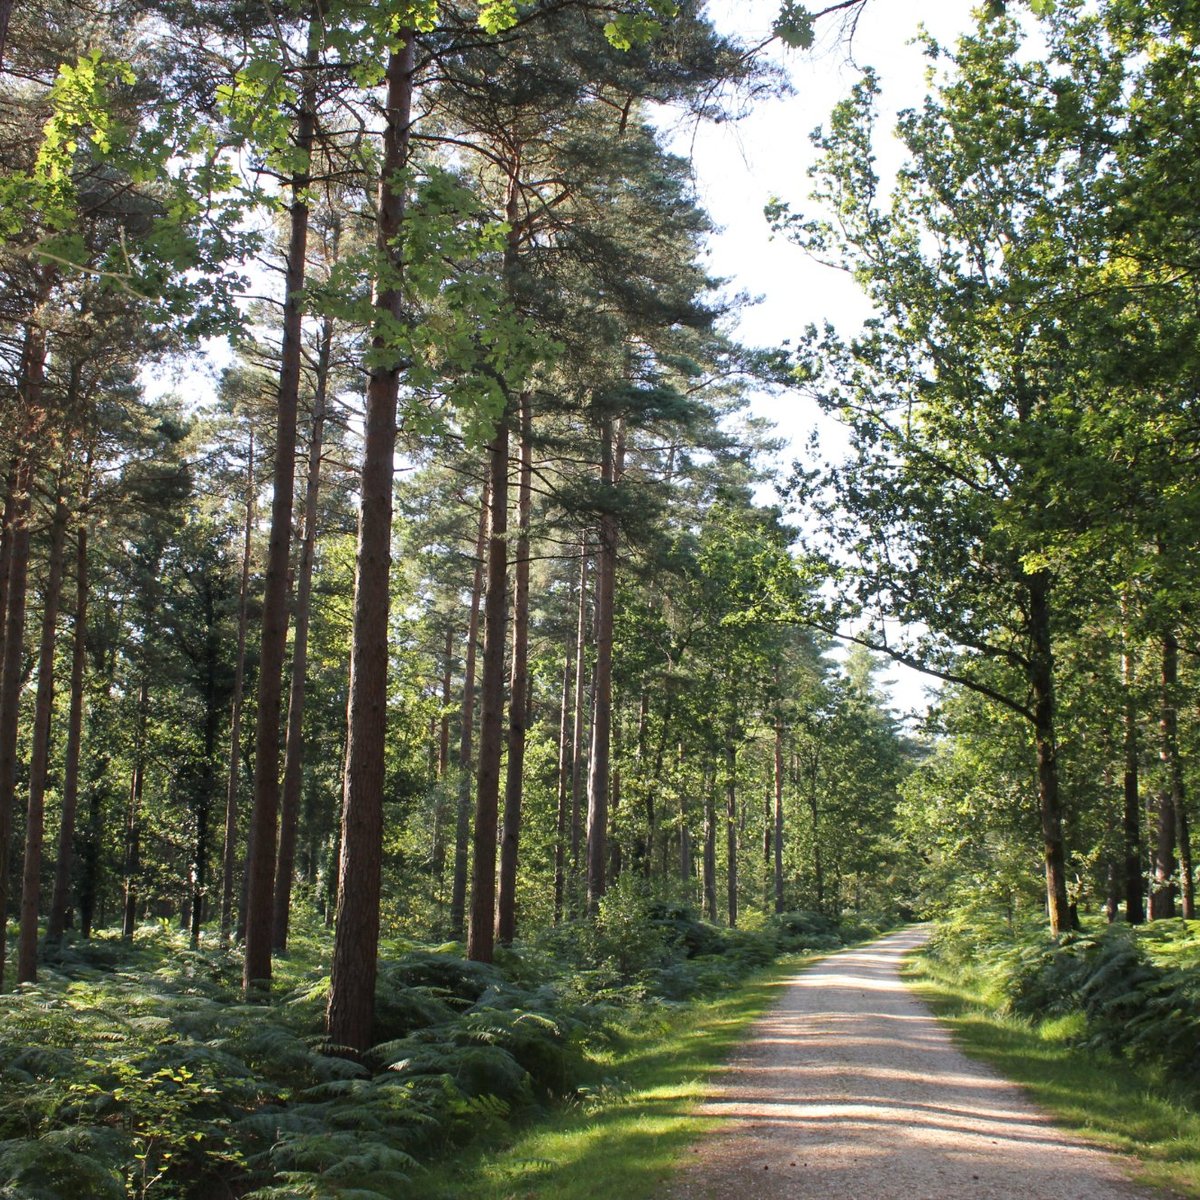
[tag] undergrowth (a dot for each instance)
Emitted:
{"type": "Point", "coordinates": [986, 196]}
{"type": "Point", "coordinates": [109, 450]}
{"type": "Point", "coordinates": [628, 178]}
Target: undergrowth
{"type": "Point", "coordinates": [134, 1070]}
{"type": "Point", "coordinates": [1101, 1026]}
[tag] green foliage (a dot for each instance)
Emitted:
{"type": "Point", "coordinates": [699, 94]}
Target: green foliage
{"type": "Point", "coordinates": [1127, 985]}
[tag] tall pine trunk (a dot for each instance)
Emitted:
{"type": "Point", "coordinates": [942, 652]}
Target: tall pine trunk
{"type": "Point", "coordinates": [611, 454]}
{"type": "Point", "coordinates": [133, 816]}
{"type": "Point", "coordinates": [31, 879]}
{"type": "Point", "coordinates": [293, 757]}
{"type": "Point", "coordinates": [356, 941]}
{"type": "Point", "coordinates": [731, 822]}
{"type": "Point", "coordinates": [264, 817]}
{"type": "Point", "coordinates": [778, 814]}
{"type": "Point", "coordinates": [1041, 678]}
{"type": "Point", "coordinates": [518, 711]}
{"type": "Point", "coordinates": [466, 753]}
{"type": "Point", "coordinates": [60, 898]}
{"type": "Point", "coordinates": [709, 882]}
{"type": "Point", "coordinates": [30, 385]}
{"type": "Point", "coordinates": [481, 929]}
{"type": "Point", "coordinates": [563, 809]}
{"type": "Point", "coordinates": [578, 747]}
{"type": "Point", "coordinates": [233, 777]}
{"type": "Point", "coordinates": [1135, 883]}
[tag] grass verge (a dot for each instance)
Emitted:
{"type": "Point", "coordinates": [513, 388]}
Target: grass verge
{"type": "Point", "coordinates": [629, 1133]}
{"type": "Point", "coordinates": [1103, 1099]}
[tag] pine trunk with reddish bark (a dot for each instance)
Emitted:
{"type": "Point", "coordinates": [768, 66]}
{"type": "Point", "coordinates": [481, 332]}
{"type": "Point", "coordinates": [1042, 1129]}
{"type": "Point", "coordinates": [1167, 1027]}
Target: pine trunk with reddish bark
{"type": "Point", "coordinates": [293, 756]}
{"type": "Point", "coordinates": [481, 928]}
{"type": "Point", "coordinates": [229, 854]}
{"type": "Point", "coordinates": [518, 712]}
{"type": "Point", "coordinates": [60, 899]}
{"type": "Point", "coordinates": [35, 819]}
{"type": "Point", "coordinates": [462, 824]}
{"type": "Point", "coordinates": [351, 1009]}
{"type": "Point", "coordinates": [264, 816]}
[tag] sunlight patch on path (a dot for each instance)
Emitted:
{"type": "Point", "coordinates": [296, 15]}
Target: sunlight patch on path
{"type": "Point", "coordinates": [850, 1088]}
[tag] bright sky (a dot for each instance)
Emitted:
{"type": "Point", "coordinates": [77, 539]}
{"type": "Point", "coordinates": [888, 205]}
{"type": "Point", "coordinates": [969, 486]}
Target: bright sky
{"type": "Point", "coordinates": [740, 167]}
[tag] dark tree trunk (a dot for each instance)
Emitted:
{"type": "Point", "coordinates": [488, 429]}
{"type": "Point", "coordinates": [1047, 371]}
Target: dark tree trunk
{"type": "Point", "coordinates": [1173, 760]}
{"type": "Point", "coordinates": [293, 758]}
{"type": "Point", "coordinates": [482, 928]}
{"type": "Point", "coordinates": [133, 817]}
{"type": "Point", "coordinates": [778, 842]}
{"type": "Point", "coordinates": [518, 714]}
{"type": "Point", "coordinates": [563, 811]}
{"type": "Point", "coordinates": [31, 880]}
{"type": "Point", "coordinates": [32, 369]}
{"type": "Point", "coordinates": [578, 748]}
{"type": "Point", "coordinates": [1041, 678]}
{"type": "Point", "coordinates": [710, 845]}
{"type": "Point", "coordinates": [356, 942]}
{"type": "Point", "coordinates": [731, 824]}
{"type": "Point", "coordinates": [1135, 882]}
{"type": "Point", "coordinates": [233, 777]}
{"type": "Point", "coordinates": [57, 922]}
{"type": "Point", "coordinates": [462, 827]}
{"type": "Point", "coordinates": [264, 816]}
{"type": "Point", "coordinates": [606, 572]}
{"type": "Point", "coordinates": [1171, 819]}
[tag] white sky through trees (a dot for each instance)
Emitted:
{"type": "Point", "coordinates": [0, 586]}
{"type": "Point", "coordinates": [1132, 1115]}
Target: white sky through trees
{"type": "Point", "coordinates": [740, 166]}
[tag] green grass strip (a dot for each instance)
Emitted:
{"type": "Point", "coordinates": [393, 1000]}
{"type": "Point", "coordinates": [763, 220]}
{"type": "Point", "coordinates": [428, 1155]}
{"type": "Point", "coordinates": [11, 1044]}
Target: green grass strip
{"type": "Point", "coordinates": [635, 1127]}
{"type": "Point", "coordinates": [1102, 1099]}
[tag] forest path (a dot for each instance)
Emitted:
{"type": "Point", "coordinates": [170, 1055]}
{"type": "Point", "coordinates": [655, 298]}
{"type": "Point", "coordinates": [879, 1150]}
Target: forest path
{"type": "Point", "coordinates": [849, 1089]}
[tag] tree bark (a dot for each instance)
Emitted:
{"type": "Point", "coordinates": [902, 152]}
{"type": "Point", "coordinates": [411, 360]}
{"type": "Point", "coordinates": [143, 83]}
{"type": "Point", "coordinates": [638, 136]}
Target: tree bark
{"type": "Point", "coordinates": [31, 880]}
{"type": "Point", "coordinates": [264, 817]}
{"type": "Point", "coordinates": [57, 922]}
{"type": "Point", "coordinates": [1174, 759]}
{"type": "Point", "coordinates": [293, 757]}
{"type": "Point", "coordinates": [1171, 817]}
{"type": "Point", "coordinates": [563, 810]}
{"type": "Point", "coordinates": [731, 823]}
{"type": "Point", "coordinates": [229, 855]}
{"type": "Point", "coordinates": [778, 841]}
{"type": "Point", "coordinates": [1041, 678]}
{"type": "Point", "coordinates": [1135, 882]}
{"type": "Point", "coordinates": [462, 828]}
{"type": "Point", "coordinates": [481, 929]}
{"type": "Point", "coordinates": [518, 714]}
{"type": "Point", "coordinates": [356, 941]}
{"type": "Point", "coordinates": [710, 845]}
{"type": "Point", "coordinates": [133, 818]}
{"type": "Point", "coordinates": [578, 749]}
{"type": "Point", "coordinates": [611, 452]}
{"type": "Point", "coordinates": [30, 386]}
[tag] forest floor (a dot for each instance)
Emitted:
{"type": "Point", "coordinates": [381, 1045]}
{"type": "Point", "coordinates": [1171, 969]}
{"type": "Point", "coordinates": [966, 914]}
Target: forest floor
{"type": "Point", "coordinates": [850, 1087]}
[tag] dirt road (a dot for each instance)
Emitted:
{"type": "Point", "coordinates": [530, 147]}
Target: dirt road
{"type": "Point", "coordinates": [850, 1090]}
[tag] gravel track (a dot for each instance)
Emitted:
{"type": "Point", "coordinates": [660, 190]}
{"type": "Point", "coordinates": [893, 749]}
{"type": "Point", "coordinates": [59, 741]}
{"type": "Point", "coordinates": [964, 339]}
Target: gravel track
{"type": "Point", "coordinates": [849, 1089]}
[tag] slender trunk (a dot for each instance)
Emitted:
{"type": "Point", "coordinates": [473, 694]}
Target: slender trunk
{"type": "Point", "coordinates": [133, 818]}
{"type": "Point", "coordinates": [563, 811]}
{"type": "Point", "coordinates": [606, 571]}
{"type": "Point", "coordinates": [1162, 894]}
{"type": "Point", "coordinates": [31, 880]}
{"type": "Point", "coordinates": [685, 837]}
{"type": "Point", "coordinates": [356, 942]}
{"type": "Point", "coordinates": [57, 922]}
{"type": "Point", "coordinates": [778, 846]}
{"type": "Point", "coordinates": [481, 930]}
{"type": "Point", "coordinates": [462, 828]}
{"type": "Point", "coordinates": [293, 758]}
{"type": "Point", "coordinates": [518, 714]}
{"type": "Point", "coordinates": [815, 816]}
{"type": "Point", "coordinates": [710, 845]}
{"type": "Point", "coordinates": [6, 537]}
{"type": "Point", "coordinates": [578, 749]}
{"type": "Point", "coordinates": [1041, 678]}
{"type": "Point", "coordinates": [229, 856]}
{"type": "Point", "coordinates": [443, 759]}
{"type": "Point", "coordinates": [33, 362]}
{"type": "Point", "coordinates": [1135, 882]}
{"type": "Point", "coordinates": [264, 816]}
{"type": "Point", "coordinates": [731, 823]}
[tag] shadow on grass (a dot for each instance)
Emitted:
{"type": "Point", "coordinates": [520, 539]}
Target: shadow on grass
{"type": "Point", "coordinates": [628, 1138]}
{"type": "Point", "coordinates": [1099, 1097]}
